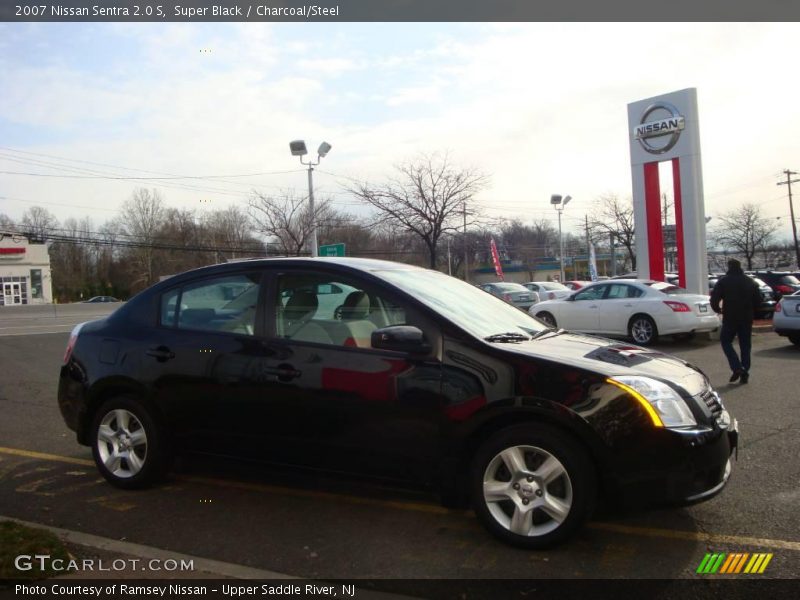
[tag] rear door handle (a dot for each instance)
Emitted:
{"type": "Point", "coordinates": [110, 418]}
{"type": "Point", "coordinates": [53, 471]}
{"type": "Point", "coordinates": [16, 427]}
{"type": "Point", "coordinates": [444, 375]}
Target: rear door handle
{"type": "Point", "coordinates": [161, 353]}
{"type": "Point", "coordinates": [284, 372]}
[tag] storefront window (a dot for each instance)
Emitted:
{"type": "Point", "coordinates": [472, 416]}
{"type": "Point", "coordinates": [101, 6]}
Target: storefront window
{"type": "Point", "coordinates": [36, 283]}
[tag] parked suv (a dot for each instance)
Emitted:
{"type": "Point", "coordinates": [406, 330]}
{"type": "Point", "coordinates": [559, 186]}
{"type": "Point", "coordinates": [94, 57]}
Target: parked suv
{"type": "Point", "coordinates": [766, 309]}
{"type": "Point", "coordinates": [782, 282]}
{"type": "Point", "coordinates": [388, 370]}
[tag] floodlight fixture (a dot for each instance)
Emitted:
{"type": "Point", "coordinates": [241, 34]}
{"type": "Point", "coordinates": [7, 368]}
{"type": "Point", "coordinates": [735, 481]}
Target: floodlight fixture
{"type": "Point", "coordinates": [298, 148]}
{"type": "Point", "coordinates": [324, 148]}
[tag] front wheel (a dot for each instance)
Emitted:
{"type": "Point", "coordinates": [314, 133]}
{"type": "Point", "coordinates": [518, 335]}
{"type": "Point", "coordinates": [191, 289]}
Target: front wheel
{"type": "Point", "coordinates": [128, 445]}
{"type": "Point", "coordinates": [795, 339]}
{"type": "Point", "coordinates": [547, 318]}
{"type": "Point", "coordinates": [532, 486]}
{"type": "Point", "coordinates": [642, 329]}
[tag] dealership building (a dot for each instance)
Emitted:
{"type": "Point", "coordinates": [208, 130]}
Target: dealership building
{"type": "Point", "coordinates": [24, 271]}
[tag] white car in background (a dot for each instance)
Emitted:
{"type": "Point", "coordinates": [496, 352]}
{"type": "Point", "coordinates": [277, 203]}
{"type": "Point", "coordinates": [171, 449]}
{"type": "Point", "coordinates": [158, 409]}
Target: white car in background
{"type": "Point", "coordinates": [786, 320]}
{"type": "Point", "coordinates": [548, 290]}
{"type": "Point", "coordinates": [639, 309]}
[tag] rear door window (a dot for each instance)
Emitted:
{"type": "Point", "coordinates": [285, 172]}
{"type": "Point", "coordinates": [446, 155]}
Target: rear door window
{"type": "Point", "coordinates": [227, 304]}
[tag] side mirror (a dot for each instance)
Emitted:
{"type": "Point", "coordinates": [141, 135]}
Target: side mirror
{"type": "Point", "coordinates": [400, 338]}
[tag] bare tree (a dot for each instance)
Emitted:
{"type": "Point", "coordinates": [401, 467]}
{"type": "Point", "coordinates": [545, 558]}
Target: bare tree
{"type": "Point", "coordinates": [614, 216]}
{"type": "Point", "coordinates": [744, 231]}
{"type": "Point", "coordinates": [287, 219]}
{"type": "Point", "coordinates": [528, 242]}
{"type": "Point", "coordinates": [38, 222]}
{"type": "Point", "coordinates": [230, 228]}
{"type": "Point", "coordinates": [427, 198]}
{"type": "Point", "coordinates": [6, 223]}
{"type": "Point", "coordinates": [143, 217]}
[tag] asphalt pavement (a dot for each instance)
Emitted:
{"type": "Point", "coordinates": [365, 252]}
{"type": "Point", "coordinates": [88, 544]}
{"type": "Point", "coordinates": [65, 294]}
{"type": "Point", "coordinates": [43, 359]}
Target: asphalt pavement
{"type": "Point", "coordinates": [307, 525]}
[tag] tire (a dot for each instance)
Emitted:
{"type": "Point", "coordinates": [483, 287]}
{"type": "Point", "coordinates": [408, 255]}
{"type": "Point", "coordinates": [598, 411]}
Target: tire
{"type": "Point", "coordinates": [128, 444]}
{"type": "Point", "coordinates": [642, 330]}
{"type": "Point", "coordinates": [514, 504]}
{"type": "Point", "coordinates": [547, 318]}
{"type": "Point", "coordinates": [795, 339]}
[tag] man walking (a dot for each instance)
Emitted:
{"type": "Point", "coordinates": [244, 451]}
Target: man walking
{"type": "Point", "coordinates": [736, 297]}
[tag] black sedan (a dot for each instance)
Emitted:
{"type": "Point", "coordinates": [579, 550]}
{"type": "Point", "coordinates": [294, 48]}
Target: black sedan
{"type": "Point", "coordinates": [381, 369]}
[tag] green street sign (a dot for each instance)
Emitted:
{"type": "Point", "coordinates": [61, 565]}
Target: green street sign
{"type": "Point", "coordinates": [332, 250]}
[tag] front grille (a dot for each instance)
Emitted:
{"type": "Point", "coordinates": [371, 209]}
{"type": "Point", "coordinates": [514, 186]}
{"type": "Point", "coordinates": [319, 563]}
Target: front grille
{"type": "Point", "coordinates": [712, 402]}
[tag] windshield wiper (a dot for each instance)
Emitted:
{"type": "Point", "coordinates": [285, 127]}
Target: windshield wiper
{"type": "Point", "coordinates": [543, 332]}
{"type": "Point", "coordinates": [507, 337]}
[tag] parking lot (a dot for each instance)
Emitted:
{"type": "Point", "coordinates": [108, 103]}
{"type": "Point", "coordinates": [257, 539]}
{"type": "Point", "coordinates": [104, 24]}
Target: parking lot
{"type": "Point", "coordinates": [306, 525]}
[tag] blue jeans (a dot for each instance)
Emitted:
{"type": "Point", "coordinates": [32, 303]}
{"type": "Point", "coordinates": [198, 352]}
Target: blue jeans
{"type": "Point", "coordinates": [744, 332]}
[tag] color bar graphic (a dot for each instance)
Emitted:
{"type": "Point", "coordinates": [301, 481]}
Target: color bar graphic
{"type": "Point", "coordinates": [722, 563]}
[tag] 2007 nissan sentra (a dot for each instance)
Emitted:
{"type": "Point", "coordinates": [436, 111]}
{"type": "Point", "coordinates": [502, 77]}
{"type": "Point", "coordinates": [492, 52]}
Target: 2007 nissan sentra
{"type": "Point", "coordinates": [395, 372]}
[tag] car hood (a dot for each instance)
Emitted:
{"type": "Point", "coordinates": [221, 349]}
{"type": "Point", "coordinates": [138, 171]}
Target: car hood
{"type": "Point", "coordinates": [610, 358]}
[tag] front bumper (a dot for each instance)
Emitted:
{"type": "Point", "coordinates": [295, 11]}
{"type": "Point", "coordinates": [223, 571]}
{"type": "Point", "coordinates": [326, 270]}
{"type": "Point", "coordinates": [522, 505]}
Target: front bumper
{"type": "Point", "coordinates": [683, 467]}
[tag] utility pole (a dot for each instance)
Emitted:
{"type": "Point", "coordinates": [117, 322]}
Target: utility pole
{"type": "Point", "coordinates": [788, 183]}
{"type": "Point", "coordinates": [613, 255]}
{"type": "Point", "coordinates": [466, 249]}
{"type": "Point", "coordinates": [588, 249]}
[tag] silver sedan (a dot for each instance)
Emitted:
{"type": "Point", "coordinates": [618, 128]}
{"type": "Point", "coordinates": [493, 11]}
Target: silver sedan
{"type": "Point", "coordinates": [786, 320]}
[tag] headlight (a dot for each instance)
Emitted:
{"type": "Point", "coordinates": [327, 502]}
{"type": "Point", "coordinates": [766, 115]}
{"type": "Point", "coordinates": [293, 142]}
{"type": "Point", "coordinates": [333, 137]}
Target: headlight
{"type": "Point", "coordinates": [664, 405]}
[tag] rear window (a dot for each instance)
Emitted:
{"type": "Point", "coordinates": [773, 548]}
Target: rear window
{"type": "Point", "coordinates": [511, 287]}
{"type": "Point", "coordinates": [666, 288]}
{"type": "Point", "coordinates": [553, 285]}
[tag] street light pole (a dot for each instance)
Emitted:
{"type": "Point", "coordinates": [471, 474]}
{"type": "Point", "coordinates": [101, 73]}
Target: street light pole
{"type": "Point", "coordinates": [298, 148]}
{"type": "Point", "coordinates": [314, 247]}
{"type": "Point", "coordinates": [559, 204]}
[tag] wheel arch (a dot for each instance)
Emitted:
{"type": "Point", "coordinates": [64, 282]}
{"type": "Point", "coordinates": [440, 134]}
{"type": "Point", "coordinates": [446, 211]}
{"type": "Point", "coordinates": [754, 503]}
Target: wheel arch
{"type": "Point", "coordinates": [106, 389]}
{"type": "Point", "coordinates": [455, 487]}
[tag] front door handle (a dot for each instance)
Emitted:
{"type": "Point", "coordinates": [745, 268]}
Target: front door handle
{"type": "Point", "coordinates": [161, 353]}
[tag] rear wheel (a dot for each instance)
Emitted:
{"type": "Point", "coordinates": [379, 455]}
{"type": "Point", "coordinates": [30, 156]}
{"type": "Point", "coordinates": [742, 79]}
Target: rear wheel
{"type": "Point", "coordinates": [795, 339]}
{"type": "Point", "coordinates": [642, 329]}
{"type": "Point", "coordinates": [547, 318]}
{"type": "Point", "coordinates": [532, 486]}
{"type": "Point", "coordinates": [128, 445]}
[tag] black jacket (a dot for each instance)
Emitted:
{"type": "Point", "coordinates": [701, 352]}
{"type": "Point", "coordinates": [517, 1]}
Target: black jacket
{"type": "Point", "coordinates": [740, 297]}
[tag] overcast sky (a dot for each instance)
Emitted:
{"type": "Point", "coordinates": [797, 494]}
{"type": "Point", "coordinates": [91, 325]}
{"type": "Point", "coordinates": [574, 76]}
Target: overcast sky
{"type": "Point", "coordinates": [540, 108]}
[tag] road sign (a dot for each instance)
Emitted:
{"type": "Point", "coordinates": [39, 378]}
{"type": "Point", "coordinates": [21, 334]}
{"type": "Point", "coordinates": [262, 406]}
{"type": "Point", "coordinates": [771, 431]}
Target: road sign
{"type": "Point", "coordinates": [332, 250]}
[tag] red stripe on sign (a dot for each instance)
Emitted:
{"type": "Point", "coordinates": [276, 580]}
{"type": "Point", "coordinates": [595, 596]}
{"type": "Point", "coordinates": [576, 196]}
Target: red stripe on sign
{"type": "Point", "coordinates": [655, 235]}
{"type": "Point", "coordinates": [12, 250]}
{"type": "Point", "coordinates": [676, 191]}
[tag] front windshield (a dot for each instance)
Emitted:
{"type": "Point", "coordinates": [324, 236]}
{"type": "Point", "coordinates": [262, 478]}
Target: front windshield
{"type": "Point", "coordinates": [470, 308]}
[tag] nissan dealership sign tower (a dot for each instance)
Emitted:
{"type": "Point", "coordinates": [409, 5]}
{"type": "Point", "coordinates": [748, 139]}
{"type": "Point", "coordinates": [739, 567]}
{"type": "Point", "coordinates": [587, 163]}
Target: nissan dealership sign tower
{"type": "Point", "coordinates": [665, 128]}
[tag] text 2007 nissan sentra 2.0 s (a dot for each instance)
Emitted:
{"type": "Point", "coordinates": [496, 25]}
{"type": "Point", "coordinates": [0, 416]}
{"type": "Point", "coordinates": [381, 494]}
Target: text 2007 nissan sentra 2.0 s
{"type": "Point", "coordinates": [388, 370]}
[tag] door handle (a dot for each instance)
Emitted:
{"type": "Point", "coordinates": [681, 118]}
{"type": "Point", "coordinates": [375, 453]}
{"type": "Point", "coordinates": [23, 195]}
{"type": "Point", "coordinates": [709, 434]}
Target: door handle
{"type": "Point", "coordinates": [284, 372]}
{"type": "Point", "coordinates": [628, 305]}
{"type": "Point", "coordinates": [161, 353]}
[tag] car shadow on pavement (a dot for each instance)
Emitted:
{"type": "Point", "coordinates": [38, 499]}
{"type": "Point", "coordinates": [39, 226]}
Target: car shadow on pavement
{"type": "Point", "coordinates": [789, 352]}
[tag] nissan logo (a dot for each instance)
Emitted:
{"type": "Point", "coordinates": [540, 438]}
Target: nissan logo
{"type": "Point", "coordinates": [665, 129]}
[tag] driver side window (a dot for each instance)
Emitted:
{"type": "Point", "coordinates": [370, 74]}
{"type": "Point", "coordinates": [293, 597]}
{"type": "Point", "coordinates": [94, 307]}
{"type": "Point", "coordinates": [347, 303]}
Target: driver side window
{"type": "Point", "coordinates": [329, 309]}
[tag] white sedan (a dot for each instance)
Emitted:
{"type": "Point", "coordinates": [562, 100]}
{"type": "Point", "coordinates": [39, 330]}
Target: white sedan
{"type": "Point", "coordinates": [637, 308]}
